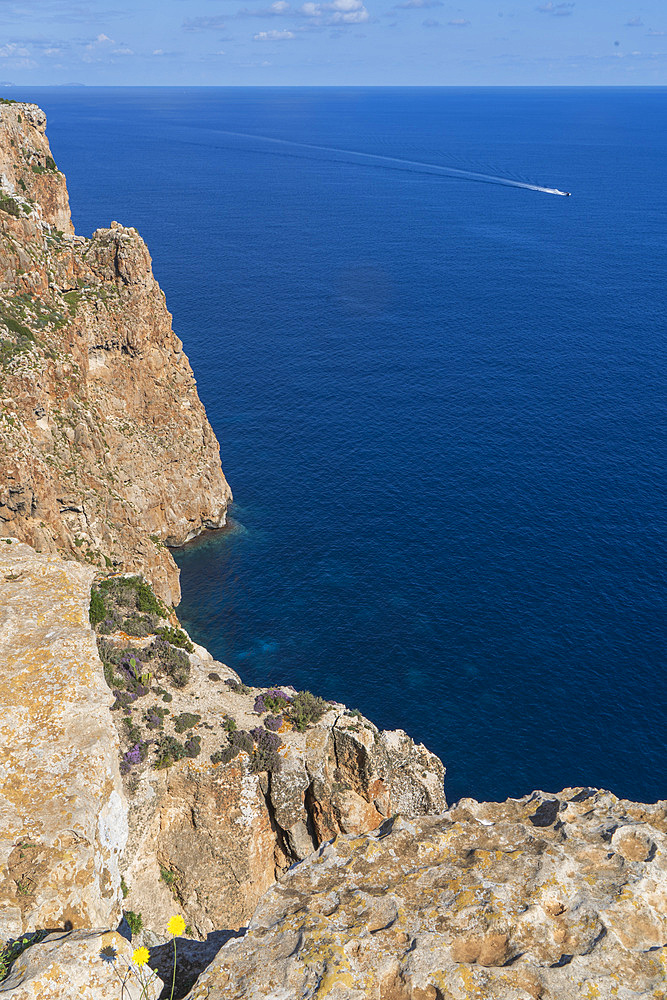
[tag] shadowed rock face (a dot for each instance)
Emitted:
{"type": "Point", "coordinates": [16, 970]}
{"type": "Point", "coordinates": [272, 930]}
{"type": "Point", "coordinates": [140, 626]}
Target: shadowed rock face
{"type": "Point", "coordinates": [63, 821]}
{"type": "Point", "coordinates": [106, 454]}
{"type": "Point", "coordinates": [546, 897]}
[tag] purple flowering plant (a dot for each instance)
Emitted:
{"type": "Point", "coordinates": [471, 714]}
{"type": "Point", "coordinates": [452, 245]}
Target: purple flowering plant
{"type": "Point", "coordinates": [273, 700]}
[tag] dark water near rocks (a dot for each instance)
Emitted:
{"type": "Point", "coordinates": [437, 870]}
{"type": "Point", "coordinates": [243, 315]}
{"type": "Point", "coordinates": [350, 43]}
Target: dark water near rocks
{"type": "Point", "coordinates": [441, 402]}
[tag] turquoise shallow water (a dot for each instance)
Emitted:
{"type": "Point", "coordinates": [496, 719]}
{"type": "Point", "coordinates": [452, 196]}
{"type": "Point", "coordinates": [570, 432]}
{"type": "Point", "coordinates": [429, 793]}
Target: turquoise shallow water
{"type": "Point", "coordinates": [441, 401]}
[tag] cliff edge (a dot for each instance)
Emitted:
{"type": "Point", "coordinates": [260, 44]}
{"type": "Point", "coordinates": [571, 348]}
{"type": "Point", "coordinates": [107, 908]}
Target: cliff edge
{"type": "Point", "coordinates": [106, 453]}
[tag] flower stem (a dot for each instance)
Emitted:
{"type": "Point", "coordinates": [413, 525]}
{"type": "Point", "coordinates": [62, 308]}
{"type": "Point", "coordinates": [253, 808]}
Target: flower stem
{"type": "Point", "coordinates": [173, 978]}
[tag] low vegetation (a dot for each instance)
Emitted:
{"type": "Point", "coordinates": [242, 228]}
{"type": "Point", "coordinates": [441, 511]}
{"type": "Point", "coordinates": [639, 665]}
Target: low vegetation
{"type": "Point", "coordinates": [135, 921]}
{"type": "Point", "coordinates": [133, 671]}
{"type": "Point", "coordinates": [10, 205]}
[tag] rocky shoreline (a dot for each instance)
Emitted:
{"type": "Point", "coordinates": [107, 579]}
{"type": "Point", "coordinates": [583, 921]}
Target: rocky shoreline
{"type": "Point", "coordinates": [305, 852]}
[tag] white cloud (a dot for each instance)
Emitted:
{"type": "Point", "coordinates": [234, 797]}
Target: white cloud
{"type": "Point", "coordinates": [338, 12]}
{"type": "Point", "coordinates": [17, 56]}
{"type": "Point", "coordinates": [634, 22]}
{"type": "Point", "coordinates": [123, 52]}
{"type": "Point", "coordinates": [13, 51]}
{"type": "Point", "coordinates": [655, 33]}
{"type": "Point", "coordinates": [158, 52]}
{"type": "Point", "coordinates": [278, 9]}
{"type": "Point", "coordinates": [100, 41]}
{"type": "Point", "coordinates": [272, 36]}
{"type": "Point", "coordinates": [458, 22]}
{"type": "Point", "coordinates": [556, 9]}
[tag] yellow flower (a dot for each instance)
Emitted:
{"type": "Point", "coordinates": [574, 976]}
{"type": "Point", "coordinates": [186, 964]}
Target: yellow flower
{"type": "Point", "coordinates": [140, 956]}
{"type": "Point", "coordinates": [176, 925]}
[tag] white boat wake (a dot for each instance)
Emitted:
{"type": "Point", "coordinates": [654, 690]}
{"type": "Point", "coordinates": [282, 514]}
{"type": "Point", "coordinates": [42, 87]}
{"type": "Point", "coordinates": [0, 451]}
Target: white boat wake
{"type": "Point", "coordinates": [376, 159]}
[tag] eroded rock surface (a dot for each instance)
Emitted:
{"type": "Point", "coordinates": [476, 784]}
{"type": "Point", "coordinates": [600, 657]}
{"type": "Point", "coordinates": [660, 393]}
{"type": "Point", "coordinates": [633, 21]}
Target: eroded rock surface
{"type": "Point", "coordinates": [80, 965]}
{"type": "Point", "coordinates": [543, 898]}
{"type": "Point", "coordinates": [106, 453]}
{"type": "Point", "coordinates": [63, 821]}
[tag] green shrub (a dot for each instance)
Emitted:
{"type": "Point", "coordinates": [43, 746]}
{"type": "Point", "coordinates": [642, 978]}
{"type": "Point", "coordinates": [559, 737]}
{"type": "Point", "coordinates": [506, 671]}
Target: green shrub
{"type": "Point", "coordinates": [154, 717]}
{"type": "Point", "coordinates": [13, 324]}
{"type": "Point", "coordinates": [177, 665]}
{"type": "Point", "coordinates": [9, 205]}
{"type": "Point", "coordinates": [168, 751]}
{"type": "Point", "coordinates": [72, 299]}
{"type": "Point", "coordinates": [124, 888]}
{"type": "Point", "coordinates": [236, 686]}
{"type": "Point", "coordinates": [134, 920]}
{"type": "Point", "coordinates": [175, 637]}
{"type": "Point", "coordinates": [139, 625]}
{"type": "Point", "coordinates": [239, 739]}
{"type": "Point", "coordinates": [186, 720]}
{"type": "Point", "coordinates": [306, 709]}
{"type": "Point", "coordinates": [98, 609]}
{"type": "Point", "coordinates": [168, 877]}
{"type": "Point", "coordinates": [10, 349]}
{"type": "Point", "coordinates": [134, 733]}
{"type": "Point", "coordinates": [133, 592]}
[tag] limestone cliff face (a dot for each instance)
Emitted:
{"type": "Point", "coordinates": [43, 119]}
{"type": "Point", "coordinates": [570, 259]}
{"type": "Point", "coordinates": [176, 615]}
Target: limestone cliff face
{"type": "Point", "coordinates": [63, 816]}
{"type": "Point", "coordinates": [543, 898]}
{"type": "Point", "coordinates": [106, 453]}
{"type": "Point", "coordinates": [208, 838]}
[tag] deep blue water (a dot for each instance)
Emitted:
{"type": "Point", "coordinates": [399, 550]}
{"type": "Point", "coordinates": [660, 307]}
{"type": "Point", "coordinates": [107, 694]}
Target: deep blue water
{"type": "Point", "coordinates": [441, 402]}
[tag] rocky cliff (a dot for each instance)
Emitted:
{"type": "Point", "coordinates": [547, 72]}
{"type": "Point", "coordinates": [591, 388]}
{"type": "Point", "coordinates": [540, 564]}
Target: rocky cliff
{"type": "Point", "coordinates": [140, 778]}
{"type": "Point", "coordinates": [138, 774]}
{"type": "Point", "coordinates": [550, 897]}
{"type": "Point", "coordinates": [106, 454]}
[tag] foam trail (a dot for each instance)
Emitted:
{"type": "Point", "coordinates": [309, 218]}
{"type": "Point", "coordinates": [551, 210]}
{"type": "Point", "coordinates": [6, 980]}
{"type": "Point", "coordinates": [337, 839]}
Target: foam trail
{"type": "Point", "coordinates": [434, 168]}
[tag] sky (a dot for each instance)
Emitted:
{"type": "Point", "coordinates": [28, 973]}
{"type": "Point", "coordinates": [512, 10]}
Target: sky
{"type": "Point", "coordinates": [333, 42]}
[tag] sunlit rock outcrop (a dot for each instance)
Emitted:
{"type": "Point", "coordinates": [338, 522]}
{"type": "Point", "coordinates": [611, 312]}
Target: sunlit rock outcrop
{"type": "Point", "coordinates": [63, 817]}
{"type": "Point", "coordinates": [543, 898]}
{"type": "Point", "coordinates": [106, 453]}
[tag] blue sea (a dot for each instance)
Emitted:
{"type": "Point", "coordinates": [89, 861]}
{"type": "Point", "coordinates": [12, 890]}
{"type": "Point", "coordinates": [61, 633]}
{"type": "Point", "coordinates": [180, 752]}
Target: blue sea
{"type": "Point", "coordinates": [440, 400]}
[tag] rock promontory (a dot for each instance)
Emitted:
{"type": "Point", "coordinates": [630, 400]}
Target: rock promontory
{"type": "Point", "coordinates": [549, 897]}
{"type": "Point", "coordinates": [106, 453]}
